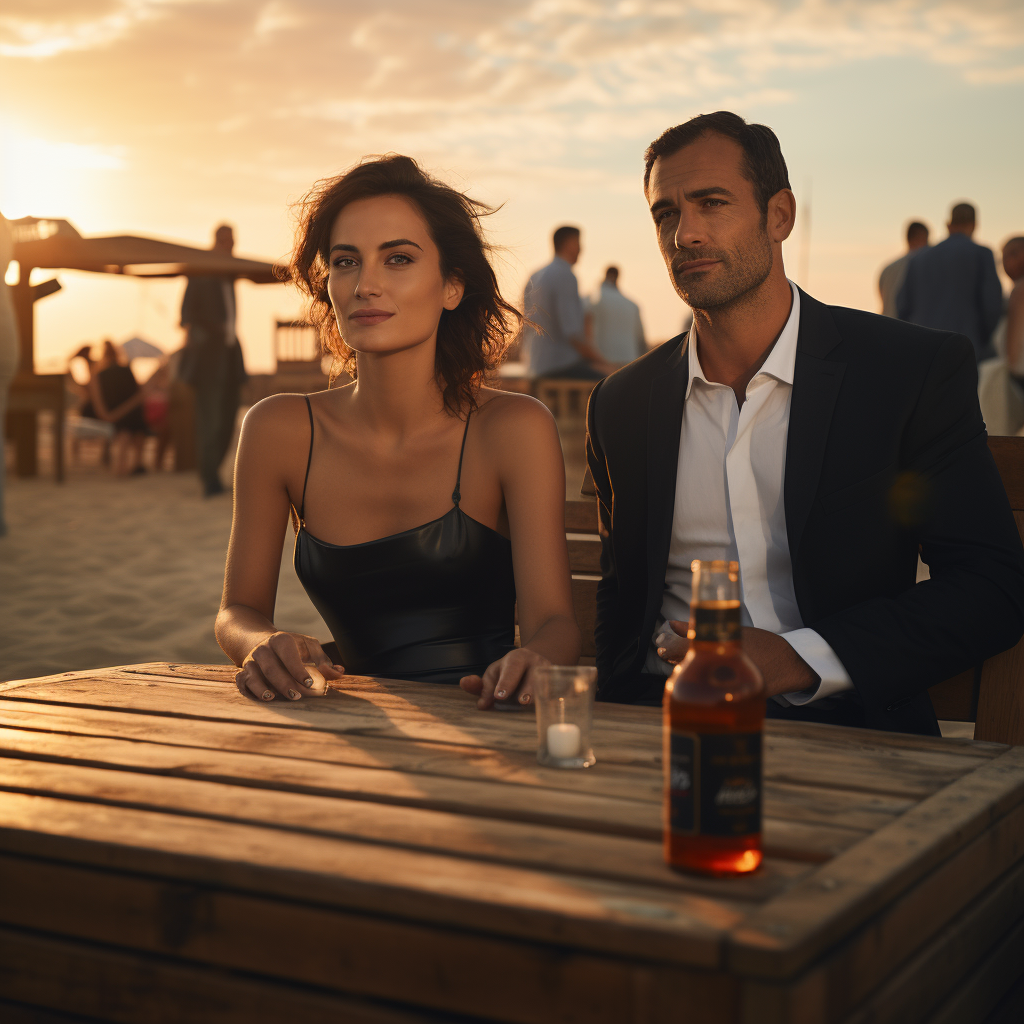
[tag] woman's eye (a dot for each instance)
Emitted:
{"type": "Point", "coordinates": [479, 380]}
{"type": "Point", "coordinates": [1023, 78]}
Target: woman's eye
{"type": "Point", "coordinates": [344, 262]}
{"type": "Point", "coordinates": [399, 258]}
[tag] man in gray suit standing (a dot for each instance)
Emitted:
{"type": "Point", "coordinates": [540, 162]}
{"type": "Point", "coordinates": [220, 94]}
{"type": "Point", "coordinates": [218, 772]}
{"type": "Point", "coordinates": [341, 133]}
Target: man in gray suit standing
{"type": "Point", "coordinates": [954, 286]}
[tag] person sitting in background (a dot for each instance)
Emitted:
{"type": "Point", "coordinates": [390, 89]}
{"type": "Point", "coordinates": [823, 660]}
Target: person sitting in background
{"type": "Point", "coordinates": [552, 301]}
{"type": "Point", "coordinates": [156, 407]}
{"type": "Point", "coordinates": [613, 322]}
{"type": "Point", "coordinates": [954, 286]}
{"type": "Point", "coordinates": [891, 278]}
{"type": "Point", "coordinates": [117, 399]}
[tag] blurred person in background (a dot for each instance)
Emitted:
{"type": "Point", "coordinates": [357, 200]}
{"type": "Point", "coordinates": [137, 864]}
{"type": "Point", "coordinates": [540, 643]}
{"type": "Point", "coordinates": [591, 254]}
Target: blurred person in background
{"type": "Point", "coordinates": [891, 278]}
{"type": "Point", "coordinates": [212, 363]}
{"type": "Point", "coordinates": [117, 399]}
{"type": "Point", "coordinates": [1009, 337]}
{"type": "Point", "coordinates": [8, 349]}
{"type": "Point", "coordinates": [552, 301]}
{"type": "Point", "coordinates": [954, 286]}
{"type": "Point", "coordinates": [613, 322]}
{"type": "Point", "coordinates": [156, 407]}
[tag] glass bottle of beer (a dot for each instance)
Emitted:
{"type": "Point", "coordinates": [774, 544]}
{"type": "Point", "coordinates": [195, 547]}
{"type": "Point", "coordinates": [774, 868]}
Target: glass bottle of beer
{"type": "Point", "coordinates": [713, 723]}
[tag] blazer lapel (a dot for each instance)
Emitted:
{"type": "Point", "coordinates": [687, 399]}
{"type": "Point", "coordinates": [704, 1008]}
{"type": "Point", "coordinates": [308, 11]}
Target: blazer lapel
{"type": "Point", "coordinates": [664, 422]}
{"type": "Point", "coordinates": [816, 384]}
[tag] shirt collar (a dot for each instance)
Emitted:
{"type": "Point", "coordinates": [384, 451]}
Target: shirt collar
{"type": "Point", "coordinates": [781, 361]}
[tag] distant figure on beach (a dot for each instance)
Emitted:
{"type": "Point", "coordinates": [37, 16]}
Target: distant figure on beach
{"type": "Point", "coordinates": [614, 322]}
{"type": "Point", "coordinates": [212, 363]}
{"type": "Point", "coordinates": [891, 278]}
{"type": "Point", "coordinates": [427, 507]}
{"type": "Point", "coordinates": [954, 286]}
{"type": "Point", "coordinates": [552, 301]}
{"type": "Point", "coordinates": [1011, 328]}
{"type": "Point", "coordinates": [8, 346]}
{"type": "Point", "coordinates": [116, 398]}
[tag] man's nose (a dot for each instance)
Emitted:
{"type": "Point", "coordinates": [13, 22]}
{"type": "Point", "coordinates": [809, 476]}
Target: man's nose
{"type": "Point", "coordinates": [690, 232]}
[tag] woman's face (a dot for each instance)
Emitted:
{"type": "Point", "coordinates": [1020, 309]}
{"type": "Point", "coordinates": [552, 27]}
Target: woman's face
{"type": "Point", "coordinates": [385, 278]}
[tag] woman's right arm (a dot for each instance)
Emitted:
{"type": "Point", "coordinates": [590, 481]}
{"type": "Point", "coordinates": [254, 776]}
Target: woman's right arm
{"type": "Point", "coordinates": [272, 662]}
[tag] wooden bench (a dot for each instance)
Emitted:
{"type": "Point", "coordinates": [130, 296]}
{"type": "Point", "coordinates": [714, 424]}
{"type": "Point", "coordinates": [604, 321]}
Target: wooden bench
{"type": "Point", "coordinates": [991, 696]}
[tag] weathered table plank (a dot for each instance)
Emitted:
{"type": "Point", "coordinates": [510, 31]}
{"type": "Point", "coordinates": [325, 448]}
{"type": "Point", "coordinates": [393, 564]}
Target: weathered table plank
{"type": "Point", "coordinates": [420, 862]}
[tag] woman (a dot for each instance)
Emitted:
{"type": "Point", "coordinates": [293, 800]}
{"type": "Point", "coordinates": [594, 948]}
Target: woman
{"type": "Point", "coordinates": [425, 504]}
{"type": "Point", "coordinates": [117, 398]}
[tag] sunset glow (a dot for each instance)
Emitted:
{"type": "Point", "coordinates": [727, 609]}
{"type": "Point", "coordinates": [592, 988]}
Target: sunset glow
{"type": "Point", "coordinates": [164, 118]}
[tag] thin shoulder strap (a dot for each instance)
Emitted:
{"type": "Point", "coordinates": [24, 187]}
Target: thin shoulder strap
{"type": "Point", "coordinates": [457, 494]}
{"type": "Point", "coordinates": [309, 460]}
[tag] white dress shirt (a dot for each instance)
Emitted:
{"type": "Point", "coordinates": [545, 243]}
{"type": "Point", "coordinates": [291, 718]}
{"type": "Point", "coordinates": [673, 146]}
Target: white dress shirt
{"type": "Point", "coordinates": [729, 504]}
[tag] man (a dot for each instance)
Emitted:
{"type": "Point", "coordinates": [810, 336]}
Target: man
{"type": "Point", "coordinates": [212, 363]}
{"type": "Point", "coordinates": [552, 302]}
{"type": "Point", "coordinates": [1013, 264]}
{"type": "Point", "coordinates": [954, 286]}
{"type": "Point", "coordinates": [891, 279]}
{"type": "Point", "coordinates": [816, 445]}
{"type": "Point", "coordinates": [614, 322]}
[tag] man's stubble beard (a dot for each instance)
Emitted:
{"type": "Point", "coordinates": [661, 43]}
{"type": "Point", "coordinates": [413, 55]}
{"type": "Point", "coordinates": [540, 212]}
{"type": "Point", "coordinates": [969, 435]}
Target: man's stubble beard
{"type": "Point", "coordinates": [746, 269]}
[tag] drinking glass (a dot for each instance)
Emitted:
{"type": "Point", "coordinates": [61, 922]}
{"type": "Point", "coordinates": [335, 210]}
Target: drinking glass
{"type": "Point", "coordinates": [564, 698]}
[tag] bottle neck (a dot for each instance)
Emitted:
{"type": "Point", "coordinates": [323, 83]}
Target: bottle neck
{"type": "Point", "coordinates": [715, 623]}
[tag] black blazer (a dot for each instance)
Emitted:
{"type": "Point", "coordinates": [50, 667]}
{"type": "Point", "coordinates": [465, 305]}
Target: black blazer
{"type": "Point", "coordinates": [886, 454]}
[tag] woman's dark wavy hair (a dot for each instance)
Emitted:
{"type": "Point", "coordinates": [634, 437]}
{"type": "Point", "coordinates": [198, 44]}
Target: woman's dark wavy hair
{"type": "Point", "coordinates": [473, 337]}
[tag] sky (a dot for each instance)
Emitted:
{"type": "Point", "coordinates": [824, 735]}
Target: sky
{"type": "Point", "coordinates": [166, 117]}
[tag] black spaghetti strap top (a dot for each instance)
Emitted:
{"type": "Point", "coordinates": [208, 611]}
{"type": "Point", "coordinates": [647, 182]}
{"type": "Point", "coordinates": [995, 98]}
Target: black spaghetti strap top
{"type": "Point", "coordinates": [434, 603]}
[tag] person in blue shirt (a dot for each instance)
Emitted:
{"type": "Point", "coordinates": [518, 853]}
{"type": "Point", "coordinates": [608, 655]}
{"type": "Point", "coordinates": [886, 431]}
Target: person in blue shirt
{"type": "Point", "coordinates": [561, 348]}
{"type": "Point", "coordinates": [954, 286]}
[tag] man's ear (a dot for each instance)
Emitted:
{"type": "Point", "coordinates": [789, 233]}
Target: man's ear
{"type": "Point", "coordinates": [781, 215]}
{"type": "Point", "coordinates": [454, 289]}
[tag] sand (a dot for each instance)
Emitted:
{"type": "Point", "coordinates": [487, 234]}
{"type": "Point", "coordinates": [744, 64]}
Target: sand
{"type": "Point", "coordinates": [101, 571]}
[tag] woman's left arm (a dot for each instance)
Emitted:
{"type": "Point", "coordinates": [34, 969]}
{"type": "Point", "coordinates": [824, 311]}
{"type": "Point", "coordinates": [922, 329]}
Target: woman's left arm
{"type": "Point", "coordinates": [533, 482]}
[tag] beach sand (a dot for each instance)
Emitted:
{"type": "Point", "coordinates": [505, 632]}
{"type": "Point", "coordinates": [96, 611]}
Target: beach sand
{"type": "Point", "coordinates": [101, 571]}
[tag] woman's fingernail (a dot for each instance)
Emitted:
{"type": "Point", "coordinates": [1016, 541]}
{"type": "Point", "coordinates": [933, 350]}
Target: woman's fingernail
{"type": "Point", "coordinates": [500, 694]}
{"type": "Point", "coordinates": [309, 681]}
{"type": "Point", "coordinates": [525, 699]}
{"type": "Point", "coordinates": [293, 694]}
{"type": "Point", "coordinates": [661, 651]}
{"type": "Point", "coordinates": [268, 694]}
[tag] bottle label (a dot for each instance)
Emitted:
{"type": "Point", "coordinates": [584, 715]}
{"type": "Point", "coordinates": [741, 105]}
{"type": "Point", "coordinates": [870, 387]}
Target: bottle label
{"type": "Point", "coordinates": [715, 784]}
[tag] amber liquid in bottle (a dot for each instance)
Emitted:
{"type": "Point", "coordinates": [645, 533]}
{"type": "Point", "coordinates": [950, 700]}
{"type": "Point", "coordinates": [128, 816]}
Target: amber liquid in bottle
{"type": "Point", "coordinates": [714, 710]}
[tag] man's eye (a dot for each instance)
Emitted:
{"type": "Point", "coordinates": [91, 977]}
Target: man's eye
{"type": "Point", "coordinates": [714, 202]}
{"type": "Point", "coordinates": [663, 215]}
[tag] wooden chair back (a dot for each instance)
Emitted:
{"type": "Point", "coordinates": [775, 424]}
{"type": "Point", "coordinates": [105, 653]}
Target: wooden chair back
{"type": "Point", "coordinates": [991, 696]}
{"type": "Point", "coordinates": [567, 399]}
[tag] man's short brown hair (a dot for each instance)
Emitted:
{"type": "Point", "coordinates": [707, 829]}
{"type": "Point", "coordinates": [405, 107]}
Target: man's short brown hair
{"type": "Point", "coordinates": [763, 163]}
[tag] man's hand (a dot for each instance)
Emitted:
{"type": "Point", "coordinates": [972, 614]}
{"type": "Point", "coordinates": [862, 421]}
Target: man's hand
{"type": "Point", "coordinates": [781, 668]}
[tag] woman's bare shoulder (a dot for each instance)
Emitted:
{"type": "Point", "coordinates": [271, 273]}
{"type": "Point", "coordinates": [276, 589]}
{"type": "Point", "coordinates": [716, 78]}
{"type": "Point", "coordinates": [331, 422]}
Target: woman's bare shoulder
{"type": "Point", "coordinates": [277, 416]}
{"type": "Point", "coordinates": [503, 411]}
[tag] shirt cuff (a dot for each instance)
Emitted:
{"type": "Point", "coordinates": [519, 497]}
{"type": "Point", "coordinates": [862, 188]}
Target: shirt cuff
{"type": "Point", "coordinates": [822, 661]}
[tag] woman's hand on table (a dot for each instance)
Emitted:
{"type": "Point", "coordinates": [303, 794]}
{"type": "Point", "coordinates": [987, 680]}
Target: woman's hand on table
{"type": "Point", "coordinates": [506, 680]}
{"type": "Point", "coordinates": [288, 665]}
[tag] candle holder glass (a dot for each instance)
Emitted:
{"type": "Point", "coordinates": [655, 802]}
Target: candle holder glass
{"type": "Point", "coordinates": [564, 698]}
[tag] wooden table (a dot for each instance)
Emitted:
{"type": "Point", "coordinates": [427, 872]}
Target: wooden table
{"type": "Point", "coordinates": [170, 851]}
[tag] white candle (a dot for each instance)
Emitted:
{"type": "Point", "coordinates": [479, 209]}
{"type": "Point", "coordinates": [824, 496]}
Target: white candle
{"type": "Point", "coordinates": [563, 739]}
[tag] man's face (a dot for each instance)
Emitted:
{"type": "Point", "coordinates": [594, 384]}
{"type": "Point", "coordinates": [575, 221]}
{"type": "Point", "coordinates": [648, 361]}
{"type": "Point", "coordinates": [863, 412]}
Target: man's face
{"type": "Point", "coordinates": [711, 232]}
{"type": "Point", "coordinates": [224, 239]}
{"type": "Point", "coordinates": [1013, 260]}
{"type": "Point", "coordinates": [570, 249]}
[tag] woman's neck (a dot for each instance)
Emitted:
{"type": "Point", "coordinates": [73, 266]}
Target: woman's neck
{"type": "Point", "coordinates": [396, 393]}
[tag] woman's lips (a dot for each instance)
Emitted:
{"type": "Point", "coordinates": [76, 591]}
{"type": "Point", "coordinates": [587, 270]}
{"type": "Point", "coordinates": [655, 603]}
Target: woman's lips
{"type": "Point", "coordinates": [368, 317]}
